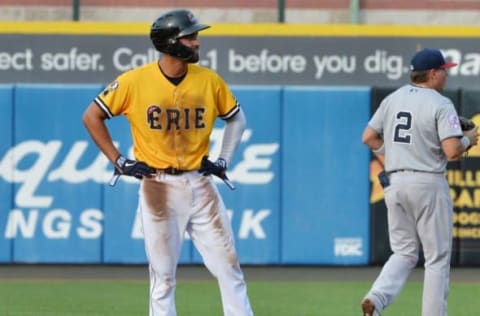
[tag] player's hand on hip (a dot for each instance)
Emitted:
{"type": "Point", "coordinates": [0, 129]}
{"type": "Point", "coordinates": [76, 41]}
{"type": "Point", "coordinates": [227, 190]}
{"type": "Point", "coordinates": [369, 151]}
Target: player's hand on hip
{"type": "Point", "coordinates": [134, 168]}
{"type": "Point", "coordinates": [218, 168]}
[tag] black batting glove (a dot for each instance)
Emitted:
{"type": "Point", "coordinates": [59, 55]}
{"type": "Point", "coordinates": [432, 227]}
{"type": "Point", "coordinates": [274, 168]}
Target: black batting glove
{"type": "Point", "coordinates": [217, 168]}
{"type": "Point", "coordinates": [137, 169]}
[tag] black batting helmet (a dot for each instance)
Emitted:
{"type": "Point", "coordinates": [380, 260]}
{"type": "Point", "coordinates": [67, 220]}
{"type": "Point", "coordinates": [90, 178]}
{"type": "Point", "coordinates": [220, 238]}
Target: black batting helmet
{"type": "Point", "coordinates": [169, 27]}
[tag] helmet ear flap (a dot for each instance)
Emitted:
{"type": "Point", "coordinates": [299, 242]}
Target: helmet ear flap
{"type": "Point", "coordinates": [172, 41]}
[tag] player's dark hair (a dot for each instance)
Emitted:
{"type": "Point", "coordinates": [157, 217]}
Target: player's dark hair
{"type": "Point", "coordinates": [419, 76]}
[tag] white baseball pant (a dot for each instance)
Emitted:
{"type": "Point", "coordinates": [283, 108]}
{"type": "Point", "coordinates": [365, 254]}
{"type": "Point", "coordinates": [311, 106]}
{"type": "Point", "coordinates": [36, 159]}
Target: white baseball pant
{"type": "Point", "coordinates": [171, 205]}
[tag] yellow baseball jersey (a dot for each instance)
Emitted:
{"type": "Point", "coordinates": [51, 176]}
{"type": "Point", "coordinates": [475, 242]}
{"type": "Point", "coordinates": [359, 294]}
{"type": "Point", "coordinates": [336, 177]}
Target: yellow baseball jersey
{"type": "Point", "coordinates": [170, 124]}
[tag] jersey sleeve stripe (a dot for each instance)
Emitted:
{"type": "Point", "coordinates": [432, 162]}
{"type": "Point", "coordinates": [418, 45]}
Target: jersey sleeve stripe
{"type": "Point", "coordinates": [232, 112]}
{"type": "Point", "coordinates": [103, 107]}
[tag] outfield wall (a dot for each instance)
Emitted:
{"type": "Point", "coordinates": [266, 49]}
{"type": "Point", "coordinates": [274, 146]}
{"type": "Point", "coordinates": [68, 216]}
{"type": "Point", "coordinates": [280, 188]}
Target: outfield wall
{"type": "Point", "coordinates": [301, 198]}
{"type": "Point", "coordinates": [306, 192]}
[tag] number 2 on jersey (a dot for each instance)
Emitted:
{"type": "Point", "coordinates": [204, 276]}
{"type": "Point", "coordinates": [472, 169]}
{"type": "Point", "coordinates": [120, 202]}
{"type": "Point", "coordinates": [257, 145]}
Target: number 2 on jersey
{"type": "Point", "coordinates": [402, 126]}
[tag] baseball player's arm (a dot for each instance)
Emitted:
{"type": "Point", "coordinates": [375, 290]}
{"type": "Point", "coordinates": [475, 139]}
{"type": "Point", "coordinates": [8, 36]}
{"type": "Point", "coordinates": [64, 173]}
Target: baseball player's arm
{"type": "Point", "coordinates": [455, 147]}
{"type": "Point", "coordinates": [373, 140]}
{"type": "Point", "coordinates": [235, 126]}
{"type": "Point", "coordinates": [94, 121]}
{"type": "Point", "coordinates": [232, 135]}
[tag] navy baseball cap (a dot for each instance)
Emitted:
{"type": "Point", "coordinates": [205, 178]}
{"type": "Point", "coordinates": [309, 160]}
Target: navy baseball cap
{"type": "Point", "coordinates": [429, 58]}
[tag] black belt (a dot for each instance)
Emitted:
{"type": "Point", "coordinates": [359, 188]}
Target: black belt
{"type": "Point", "coordinates": [173, 171]}
{"type": "Point", "coordinates": [412, 170]}
{"type": "Point", "coordinates": [403, 170]}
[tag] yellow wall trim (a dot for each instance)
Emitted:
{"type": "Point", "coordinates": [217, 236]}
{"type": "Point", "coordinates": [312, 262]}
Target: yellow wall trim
{"type": "Point", "coordinates": [268, 29]}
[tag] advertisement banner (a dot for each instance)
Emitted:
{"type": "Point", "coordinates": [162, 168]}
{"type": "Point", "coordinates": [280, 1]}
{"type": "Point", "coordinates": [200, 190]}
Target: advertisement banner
{"type": "Point", "coordinates": [465, 190]}
{"type": "Point", "coordinates": [63, 210]}
{"type": "Point", "coordinates": [57, 215]}
{"type": "Point", "coordinates": [324, 176]}
{"type": "Point", "coordinates": [314, 60]}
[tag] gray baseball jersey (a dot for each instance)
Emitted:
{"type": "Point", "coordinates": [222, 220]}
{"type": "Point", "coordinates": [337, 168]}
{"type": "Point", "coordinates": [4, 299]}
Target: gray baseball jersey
{"type": "Point", "coordinates": [402, 118]}
{"type": "Point", "coordinates": [414, 121]}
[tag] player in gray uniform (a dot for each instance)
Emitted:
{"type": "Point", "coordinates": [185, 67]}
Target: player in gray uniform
{"type": "Point", "coordinates": [418, 132]}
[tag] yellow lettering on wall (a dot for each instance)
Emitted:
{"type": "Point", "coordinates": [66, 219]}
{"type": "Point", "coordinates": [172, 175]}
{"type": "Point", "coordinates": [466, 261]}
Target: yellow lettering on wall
{"type": "Point", "coordinates": [467, 178]}
{"type": "Point", "coordinates": [466, 233]}
{"type": "Point", "coordinates": [377, 190]}
{"type": "Point", "coordinates": [466, 218]}
{"type": "Point", "coordinates": [464, 199]}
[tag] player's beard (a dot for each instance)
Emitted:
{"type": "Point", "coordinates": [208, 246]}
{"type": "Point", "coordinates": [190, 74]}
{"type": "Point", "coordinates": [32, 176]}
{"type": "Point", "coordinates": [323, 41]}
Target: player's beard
{"type": "Point", "coordinates": [194, 57]}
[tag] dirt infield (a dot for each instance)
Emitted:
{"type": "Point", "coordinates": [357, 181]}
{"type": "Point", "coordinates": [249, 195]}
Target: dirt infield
{"type": "Point", "coordinates": [199, 272]}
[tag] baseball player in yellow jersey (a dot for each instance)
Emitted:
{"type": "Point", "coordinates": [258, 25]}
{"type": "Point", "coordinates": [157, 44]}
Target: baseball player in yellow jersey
{"type": "Point", "coordinates": [171, 106]}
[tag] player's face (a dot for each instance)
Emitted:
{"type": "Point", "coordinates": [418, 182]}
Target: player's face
{"type": "Point", "coordinates": [439, 78]}
{"type": "Point", "coordinates": [192, 42]}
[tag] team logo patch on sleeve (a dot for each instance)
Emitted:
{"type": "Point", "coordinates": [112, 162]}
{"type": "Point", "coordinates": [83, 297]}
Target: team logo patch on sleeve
{"type": "Point", "coordinates": [453, 121]}
{"type": "Point", "coordinates": [111, 87]}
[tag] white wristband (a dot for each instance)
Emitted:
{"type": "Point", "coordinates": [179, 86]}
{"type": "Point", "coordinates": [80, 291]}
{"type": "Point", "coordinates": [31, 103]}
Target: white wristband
{"type": "Point", "coordinates": [465, 142]}
{"type": "Point", "coordinates": [380, 150]}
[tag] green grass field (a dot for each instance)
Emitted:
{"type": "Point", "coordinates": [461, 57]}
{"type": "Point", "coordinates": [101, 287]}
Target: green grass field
{"type": "Point", "coordinates": [201, 298]}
